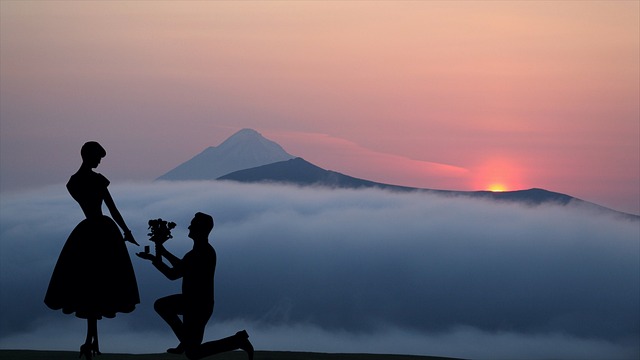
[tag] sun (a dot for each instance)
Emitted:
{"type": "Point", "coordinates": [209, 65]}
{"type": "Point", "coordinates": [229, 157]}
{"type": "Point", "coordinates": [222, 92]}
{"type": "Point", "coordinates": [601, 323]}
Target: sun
{"type": "Point", "coordinates": [496, 187]}
{"type": "Point", "coordinates": [498, 174]}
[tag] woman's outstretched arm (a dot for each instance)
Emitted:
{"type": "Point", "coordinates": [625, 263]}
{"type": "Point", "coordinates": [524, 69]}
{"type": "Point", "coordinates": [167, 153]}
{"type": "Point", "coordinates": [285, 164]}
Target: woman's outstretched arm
{"type": "Point", "coordinates": [117, 217]}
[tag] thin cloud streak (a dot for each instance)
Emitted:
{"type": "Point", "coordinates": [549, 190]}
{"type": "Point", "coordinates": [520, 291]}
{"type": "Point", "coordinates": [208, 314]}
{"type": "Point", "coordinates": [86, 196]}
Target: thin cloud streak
{"type": "Point", "coordinates": [345, 156]}
{"type": "Point", "coordinates": [364, 271]}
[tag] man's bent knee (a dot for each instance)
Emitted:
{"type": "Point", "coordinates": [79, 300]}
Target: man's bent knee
{"type": "Point", "coordinates": [168, 304]}
{"type": "Point", "coordinates": [159, 305]}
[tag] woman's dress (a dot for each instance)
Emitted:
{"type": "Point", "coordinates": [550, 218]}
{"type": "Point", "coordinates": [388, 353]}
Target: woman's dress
{"type": "Point", "coordinates": [93, 276]}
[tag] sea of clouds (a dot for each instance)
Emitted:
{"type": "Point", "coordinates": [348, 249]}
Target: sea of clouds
{"type": "Point", "coordinates": [367, 271]}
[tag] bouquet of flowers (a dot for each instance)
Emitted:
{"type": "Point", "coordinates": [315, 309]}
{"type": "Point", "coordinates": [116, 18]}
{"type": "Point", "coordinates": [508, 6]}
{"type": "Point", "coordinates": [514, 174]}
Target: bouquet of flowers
{"type": "Point", "coordinates": [160, 231]}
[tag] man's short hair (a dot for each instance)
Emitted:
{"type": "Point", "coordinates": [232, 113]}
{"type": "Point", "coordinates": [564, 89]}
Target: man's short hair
{"type": "Point", "coordinates": [205, 220]}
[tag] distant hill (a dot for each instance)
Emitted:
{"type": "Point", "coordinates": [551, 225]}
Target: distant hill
{"type": "Point", "coordinates": [300, 172]}
{"type": "Point", "coordinates": [243, 150]}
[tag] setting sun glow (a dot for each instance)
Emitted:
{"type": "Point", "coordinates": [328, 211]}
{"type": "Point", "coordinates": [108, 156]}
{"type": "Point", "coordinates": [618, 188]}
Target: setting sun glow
{"type": "Point", "coordinates": [498, 174]}
{"type": "Point", "coordinates": [497, 188]}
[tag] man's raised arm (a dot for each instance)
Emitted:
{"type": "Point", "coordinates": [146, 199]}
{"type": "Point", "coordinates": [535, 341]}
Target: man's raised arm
{"type": "Point", "coordinates": [172, 273]}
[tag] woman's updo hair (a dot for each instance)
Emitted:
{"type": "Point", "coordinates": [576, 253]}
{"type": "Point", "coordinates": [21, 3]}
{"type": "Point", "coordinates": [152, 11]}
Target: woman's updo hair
{"type": "Point", "coordinates": [92, 149]}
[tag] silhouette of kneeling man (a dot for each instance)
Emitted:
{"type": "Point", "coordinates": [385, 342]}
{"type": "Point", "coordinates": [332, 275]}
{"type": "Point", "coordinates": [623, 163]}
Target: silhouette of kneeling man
{"type": "Point", "coordinates": [195, 304]}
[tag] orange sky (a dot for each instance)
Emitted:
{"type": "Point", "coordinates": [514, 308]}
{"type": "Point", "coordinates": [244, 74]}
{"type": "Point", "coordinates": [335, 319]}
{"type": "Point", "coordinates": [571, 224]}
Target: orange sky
{"type": "Point", "coordinates": [455, 95]}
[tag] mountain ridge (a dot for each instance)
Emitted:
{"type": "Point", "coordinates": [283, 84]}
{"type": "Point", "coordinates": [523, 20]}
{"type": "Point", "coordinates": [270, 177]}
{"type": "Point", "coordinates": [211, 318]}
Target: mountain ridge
{"type": "Point", "coordinates": [300, 172]}
{"type": "Point", "coordinates": [248, 157]}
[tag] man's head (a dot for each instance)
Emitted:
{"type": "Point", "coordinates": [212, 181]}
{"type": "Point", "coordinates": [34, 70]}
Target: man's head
{"type": "Point", "coordinates": [201, 226]}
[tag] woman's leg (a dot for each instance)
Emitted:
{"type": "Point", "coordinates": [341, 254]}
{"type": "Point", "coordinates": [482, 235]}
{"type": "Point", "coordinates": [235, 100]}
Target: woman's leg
{"type": "Point", "coordinates": [92, 329]}
{"type": "Point", "coordinates": [89, 337]}
{"type": "Point", "coordinates": [87, 349]}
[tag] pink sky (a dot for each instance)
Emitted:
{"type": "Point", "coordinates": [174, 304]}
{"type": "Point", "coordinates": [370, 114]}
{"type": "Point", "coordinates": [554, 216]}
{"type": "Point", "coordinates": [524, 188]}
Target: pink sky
{"type": "Point", "coordinates": [450, 95]}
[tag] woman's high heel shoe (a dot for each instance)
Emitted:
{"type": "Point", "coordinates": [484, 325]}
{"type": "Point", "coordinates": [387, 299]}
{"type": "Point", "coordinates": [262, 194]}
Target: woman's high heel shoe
{"type": "Point", "coordinates": [89, 351]}
{"type": "Point", "coordinates": [95, 349]}
{"type": "Point", "coordinates": [86, 350]}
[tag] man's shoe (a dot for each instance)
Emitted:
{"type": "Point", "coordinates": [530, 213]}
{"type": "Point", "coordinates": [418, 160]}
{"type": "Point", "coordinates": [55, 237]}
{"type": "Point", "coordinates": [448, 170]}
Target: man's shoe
{"type": "Point", "coordinates": [244, 343]}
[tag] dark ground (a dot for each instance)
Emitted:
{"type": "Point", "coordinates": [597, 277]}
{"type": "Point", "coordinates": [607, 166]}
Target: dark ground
{"type": "Point", "coordinates": [236, 355]}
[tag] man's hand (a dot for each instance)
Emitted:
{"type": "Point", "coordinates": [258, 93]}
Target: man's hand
{"type": "Point", "coordinates": [146, 256]}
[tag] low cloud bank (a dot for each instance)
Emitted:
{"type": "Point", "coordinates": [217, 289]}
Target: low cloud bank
{"type": "Point", "coordinates": [463, 342]}
{"type": "Point", "coordinates": [356, 271]}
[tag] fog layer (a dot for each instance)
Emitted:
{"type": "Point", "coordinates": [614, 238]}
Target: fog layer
{"type": "Point", "coordinates": [350, 271]}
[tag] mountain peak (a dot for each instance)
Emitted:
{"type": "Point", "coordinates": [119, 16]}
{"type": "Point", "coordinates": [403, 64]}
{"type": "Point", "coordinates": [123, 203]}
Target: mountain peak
{"type": "Point", "coordinates": [244, 134]}
{"type": "Point", "coordinates": [247, 131]}
{"type": "Point", "coordinates": [245, 149]}
{"type": "Point", "coordinates": [244, 137]}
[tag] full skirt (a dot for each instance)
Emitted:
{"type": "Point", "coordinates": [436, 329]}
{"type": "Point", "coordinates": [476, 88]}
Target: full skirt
{"type": "Point", "coordinates": [93, 276]}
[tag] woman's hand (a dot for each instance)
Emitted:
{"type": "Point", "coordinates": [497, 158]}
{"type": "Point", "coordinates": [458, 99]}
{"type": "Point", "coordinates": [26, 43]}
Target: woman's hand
{"type": "Point", "coordinates": [129, 237]}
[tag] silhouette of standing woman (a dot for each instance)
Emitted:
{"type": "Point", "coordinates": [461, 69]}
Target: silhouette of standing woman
{"type": "Point", "coordinates": [94, 276]}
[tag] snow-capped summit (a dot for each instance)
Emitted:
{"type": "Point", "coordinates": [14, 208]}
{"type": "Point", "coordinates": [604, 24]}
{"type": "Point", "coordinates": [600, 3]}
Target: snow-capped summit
{"type": "Point", "coordinates": [243, 150]}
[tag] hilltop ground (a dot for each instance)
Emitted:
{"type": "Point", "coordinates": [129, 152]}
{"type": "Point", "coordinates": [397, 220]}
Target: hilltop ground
{"type": "Point", "coordinates": [236, 355]}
